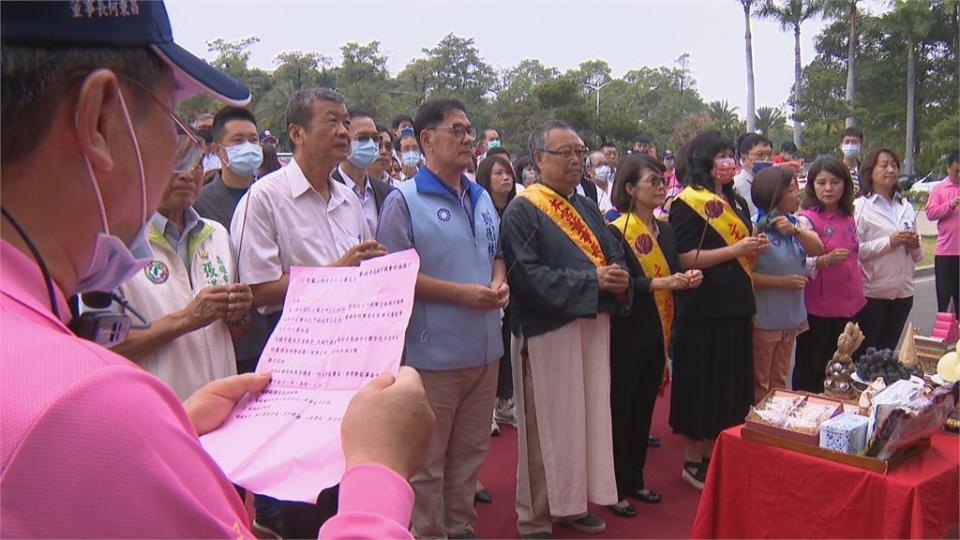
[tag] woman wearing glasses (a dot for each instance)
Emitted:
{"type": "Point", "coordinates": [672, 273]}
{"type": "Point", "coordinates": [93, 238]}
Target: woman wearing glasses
{"type": "Point", "coordinates": [639, 341]}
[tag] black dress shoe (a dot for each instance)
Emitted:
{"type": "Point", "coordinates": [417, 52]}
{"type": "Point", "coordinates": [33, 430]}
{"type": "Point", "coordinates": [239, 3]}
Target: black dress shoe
{"type": "Point", "coordinates": [650, 497]}
{"type": "Point", "coordinates": [483, 496]}
{"type": "Point", "coordinates": [653, 442]}
{"type": "Point", "coordinates": [627, 511]}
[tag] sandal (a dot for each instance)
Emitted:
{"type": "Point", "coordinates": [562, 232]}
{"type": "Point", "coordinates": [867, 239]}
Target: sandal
{"type": "Point", "coordinates": [627, 511]}
{"type": "Point", "coordinates": [694, 473]}
{"type": "Point", "coordinates": [650, 497]}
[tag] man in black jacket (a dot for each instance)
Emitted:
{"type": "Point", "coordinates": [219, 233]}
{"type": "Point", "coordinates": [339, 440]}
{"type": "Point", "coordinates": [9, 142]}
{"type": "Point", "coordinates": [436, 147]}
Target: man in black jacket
{"type": "Point", "coordinates": [352, 172]}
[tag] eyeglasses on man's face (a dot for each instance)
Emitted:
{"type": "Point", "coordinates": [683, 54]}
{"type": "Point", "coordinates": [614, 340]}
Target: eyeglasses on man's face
{"type": "Point", "coordinates": [189, 146]}
{"type": "Point", "coordinates": [459, 131]}
{"type": "Point", "coordinates": [567, 153]}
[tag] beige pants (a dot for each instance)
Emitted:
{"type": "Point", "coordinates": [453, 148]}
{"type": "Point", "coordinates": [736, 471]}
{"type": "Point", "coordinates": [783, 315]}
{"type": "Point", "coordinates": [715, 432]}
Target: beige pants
{"type": "Point", "coordinates": [562, 395]}
{"type": "Point", "coordinates": [445, 486]}
{"type": "Point", "coordinates": [772, 354]}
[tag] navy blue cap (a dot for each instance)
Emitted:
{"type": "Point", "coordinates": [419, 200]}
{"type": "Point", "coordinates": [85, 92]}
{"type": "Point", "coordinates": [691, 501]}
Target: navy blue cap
{"type": "Point", "coordinates": [115, 23]}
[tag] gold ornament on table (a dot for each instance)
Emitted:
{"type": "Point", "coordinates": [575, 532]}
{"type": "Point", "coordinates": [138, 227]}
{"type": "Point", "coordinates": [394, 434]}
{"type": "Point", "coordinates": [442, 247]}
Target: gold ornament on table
{"type": "Point", "coordinates": [908, 352]}
{"type": "Point", "coordinates": [841, 367]}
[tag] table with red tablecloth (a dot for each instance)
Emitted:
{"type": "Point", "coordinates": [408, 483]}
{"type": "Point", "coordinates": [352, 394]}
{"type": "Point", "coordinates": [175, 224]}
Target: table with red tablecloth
{"type": "Point", "coordinates": [755, 490]}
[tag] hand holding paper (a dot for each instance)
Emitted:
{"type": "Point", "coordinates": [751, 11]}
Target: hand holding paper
{"type": "Point", "coordinates": [341, 327]}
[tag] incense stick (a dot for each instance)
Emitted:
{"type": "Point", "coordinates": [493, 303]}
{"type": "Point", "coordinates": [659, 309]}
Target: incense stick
{"type": "Point", "coordinates": [515, 261]}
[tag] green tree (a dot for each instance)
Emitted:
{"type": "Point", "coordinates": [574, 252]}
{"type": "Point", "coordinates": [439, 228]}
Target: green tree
{"type": "Point", "coordinates": [847, 10]}
{"type": "Point", "coordinates": [768, 120]}
{"type": "Point", "coordinates": [725, 119]}
{"type": "Point", "coordinates": [363, 77]}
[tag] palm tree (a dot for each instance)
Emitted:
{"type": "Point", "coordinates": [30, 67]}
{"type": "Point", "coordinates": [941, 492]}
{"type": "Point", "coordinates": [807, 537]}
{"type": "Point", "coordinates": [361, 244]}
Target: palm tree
{"type": "Point", "coordinates": [768, 119]}
{"type": "Point", "coordinates": [909, 21]}
{"type": "Point", "coordinates": [724, 118]}
{"type": "Point", "coordinates": [847, 9]}
{"type": "Point", "coordinates": [748, 41]}
{"type": "Point", "coordinates": [791, 14]}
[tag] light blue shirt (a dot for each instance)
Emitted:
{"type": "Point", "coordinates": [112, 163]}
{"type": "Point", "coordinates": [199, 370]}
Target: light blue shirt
{"type": "Point", "coordinates": [178, 240]}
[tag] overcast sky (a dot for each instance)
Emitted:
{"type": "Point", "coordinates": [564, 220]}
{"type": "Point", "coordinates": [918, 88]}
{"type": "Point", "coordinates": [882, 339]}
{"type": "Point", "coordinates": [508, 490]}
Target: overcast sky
{"type": "Point", "coordinates": [627, 34]}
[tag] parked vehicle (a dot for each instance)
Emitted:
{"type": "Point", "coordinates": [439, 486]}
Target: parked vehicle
{"type": "Point", "coordinates": [925, 183]}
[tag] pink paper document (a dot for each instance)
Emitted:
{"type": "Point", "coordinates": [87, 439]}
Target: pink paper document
{"type": "Point", "coordinates": [340, 328]}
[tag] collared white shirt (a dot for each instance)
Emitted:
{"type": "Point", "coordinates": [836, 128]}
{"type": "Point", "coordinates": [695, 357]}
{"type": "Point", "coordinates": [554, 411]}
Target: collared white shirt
{"type": "Point", "coordinates": [743, 184]}
{"type": "Point", "coordinates": [603, 199]}
{"type": "Point", "coordinates": [367, 198]}
{"type": "Point", "coordinates": [887, 270]}
{"type": "Point", "coordinates": [283, 221]}
{"type": "Point", "coordinates": [211, 161]}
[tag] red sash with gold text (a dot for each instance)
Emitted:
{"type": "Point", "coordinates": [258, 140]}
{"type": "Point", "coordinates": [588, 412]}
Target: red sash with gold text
{"type": "Point", "coordinates": [561, 212]}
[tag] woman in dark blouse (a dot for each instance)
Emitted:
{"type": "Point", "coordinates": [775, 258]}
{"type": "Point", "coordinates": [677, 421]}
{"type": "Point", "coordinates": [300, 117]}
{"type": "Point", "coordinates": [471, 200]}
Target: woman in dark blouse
{"type": "Point", "coordinates": [639, 341]}
{"type": "Point", "coordinates": [713, 354]}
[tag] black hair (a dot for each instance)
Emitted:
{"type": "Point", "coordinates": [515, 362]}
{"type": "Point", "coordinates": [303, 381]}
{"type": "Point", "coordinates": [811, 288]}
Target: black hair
{"type": "Point", "coordinates": [607, 145]}
{"type": "Point", "coordinates": [271, 161]}
{"type": "Point", "coordinates": [227, 114]}
{"type": "Point", "coordinates": [700, 157]}
{"type": "Point", "coordinates": [399, 119]}
{"type": "Point", "coordinates": [35, 80]}
{"type": "Point", "coordinates": [769, 187]}
{"type": "Point", "coordinates": [356, 112]}
{"type": "Point", "coordinates": [953, 157]}
{"type": "Point", "coordinates": [869, 163]}
{"type": "Point", "coordinates": [629, 172]}
{"type": "Point", "coordinates": [749, 141]}
{"type": "Point", "coordinates": [399, 141]}
{"type": "Point", "coordinates": [834, 166]}
{"type": "Point", "coordinates": [432, 113]}
{"type": "Point", "coordinates": [852, 132]}
{"type": "Point", "coordinates": [788, 146]}
{"type": "Point", "coordinates": [501, 151]}
{"type": "Point", "coordinates": [641, 139]}
{"type": "Point", "coordinates": [485, 172]}
{"type": "Point", "coordinates": [520, 164]}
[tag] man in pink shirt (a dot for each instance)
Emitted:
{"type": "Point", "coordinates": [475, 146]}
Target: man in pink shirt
{"type": "Point", "coordinates": [93, 446]}
{"type": "Point", "coordinates": [942, 208]}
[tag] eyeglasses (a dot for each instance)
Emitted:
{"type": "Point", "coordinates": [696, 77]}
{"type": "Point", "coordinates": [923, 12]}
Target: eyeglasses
{"type": "Point", "coordinates": [567, 153]}
{"type": "Point", "coordinates": [189, 149]}
{"type": "Point", "coordinates": [655, 181]}
{"type": "Point", "coordinates": [458, 130]}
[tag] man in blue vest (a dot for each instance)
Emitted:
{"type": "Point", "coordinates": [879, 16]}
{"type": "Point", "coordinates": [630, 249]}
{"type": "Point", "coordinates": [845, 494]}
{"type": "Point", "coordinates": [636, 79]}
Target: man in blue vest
{"type": "Point", "coordinates": [453, 338]}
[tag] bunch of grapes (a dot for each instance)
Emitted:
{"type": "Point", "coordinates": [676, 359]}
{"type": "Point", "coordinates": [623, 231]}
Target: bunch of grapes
{"type": "Point", "coordinates": [882, 363]}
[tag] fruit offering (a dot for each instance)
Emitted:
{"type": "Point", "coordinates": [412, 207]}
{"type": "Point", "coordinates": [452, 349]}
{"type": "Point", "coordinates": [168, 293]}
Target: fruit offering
{"type": "Point", "coordinates": [882, 363]}
{"type": "Point", "coordinates": [949, 366]}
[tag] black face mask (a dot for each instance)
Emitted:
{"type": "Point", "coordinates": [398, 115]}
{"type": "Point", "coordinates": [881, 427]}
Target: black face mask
{"type": "Point", "coordinates": [206, 135]}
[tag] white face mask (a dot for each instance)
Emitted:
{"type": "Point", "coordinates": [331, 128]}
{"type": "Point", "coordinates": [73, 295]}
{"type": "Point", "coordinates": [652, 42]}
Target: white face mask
{"type": "Point", "coordinates": [604, 173]}
{"type": "Point", "coordinates": [850, 150]}
{"type": "Point", "coordinates": [114, 262]}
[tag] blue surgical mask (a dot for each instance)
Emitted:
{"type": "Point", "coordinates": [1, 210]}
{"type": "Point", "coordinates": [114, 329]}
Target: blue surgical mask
{"type": "Point", "coordinates": [114, 262]}
{"type": "Point", "coordinates": [363, 154]}
{"type": "Point", "coordinates": [761, 165]}
{"type": "Point", "coordinates": [850, 150]}
{"type": "Point", "coordinates": [406, 131]}
{"type": "Point", "coordinates": [495, 143]}
{"type": "Point", "coordinates": [245, 158]}
{"type": "Point", "coordinates": [410, 158]}
{"type": "Point", "coordinates": [604, 173]}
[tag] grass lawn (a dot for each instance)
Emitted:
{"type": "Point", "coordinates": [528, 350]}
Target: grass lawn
{"type": "Point", "coordinates": [929, 243]}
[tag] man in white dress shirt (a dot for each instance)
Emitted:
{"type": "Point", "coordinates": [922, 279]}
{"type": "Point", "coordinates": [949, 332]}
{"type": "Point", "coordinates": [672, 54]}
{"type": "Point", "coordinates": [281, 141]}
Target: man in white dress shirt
{"type": "Point", "coordinates": [298, 216]}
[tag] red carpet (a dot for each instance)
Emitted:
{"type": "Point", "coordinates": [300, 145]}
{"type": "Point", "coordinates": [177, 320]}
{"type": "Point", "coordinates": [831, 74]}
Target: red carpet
{"type": "Point", "coordinates": [673, 518]}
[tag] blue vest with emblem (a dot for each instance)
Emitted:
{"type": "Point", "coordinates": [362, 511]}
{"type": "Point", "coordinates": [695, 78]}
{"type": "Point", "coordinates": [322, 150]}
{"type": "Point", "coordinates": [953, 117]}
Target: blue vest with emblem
{"type": "Point", "coordinates": [442, 335]}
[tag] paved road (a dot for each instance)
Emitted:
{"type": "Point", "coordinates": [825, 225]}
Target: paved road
{"type": "Point", "coordinates": [924, 305]}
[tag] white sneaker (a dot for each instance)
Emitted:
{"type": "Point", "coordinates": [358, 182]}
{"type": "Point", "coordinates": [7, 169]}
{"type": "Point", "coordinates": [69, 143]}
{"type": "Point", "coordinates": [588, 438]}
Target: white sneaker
{"type": "Point", "coordinates": [494, 428]}
{"type": "Point", "coordinates": [505, 414]}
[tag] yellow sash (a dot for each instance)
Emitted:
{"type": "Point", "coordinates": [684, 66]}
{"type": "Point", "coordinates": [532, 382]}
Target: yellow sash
{"type": "Point", "coordinates": [718, 213]}
{"type": "Point", "coordinates": [654, 264]}
{"type": "Point", "coordinates": [561, 212]}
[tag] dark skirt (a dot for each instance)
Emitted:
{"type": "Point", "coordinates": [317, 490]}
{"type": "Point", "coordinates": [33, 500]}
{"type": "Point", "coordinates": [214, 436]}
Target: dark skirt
{"type": "Point", "coordinates": [712, 387]}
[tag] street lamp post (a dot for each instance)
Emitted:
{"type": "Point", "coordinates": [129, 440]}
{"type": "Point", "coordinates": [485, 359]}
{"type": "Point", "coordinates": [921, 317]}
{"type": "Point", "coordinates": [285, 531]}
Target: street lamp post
{"type": "Point", "coordinates": [596, 86]}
